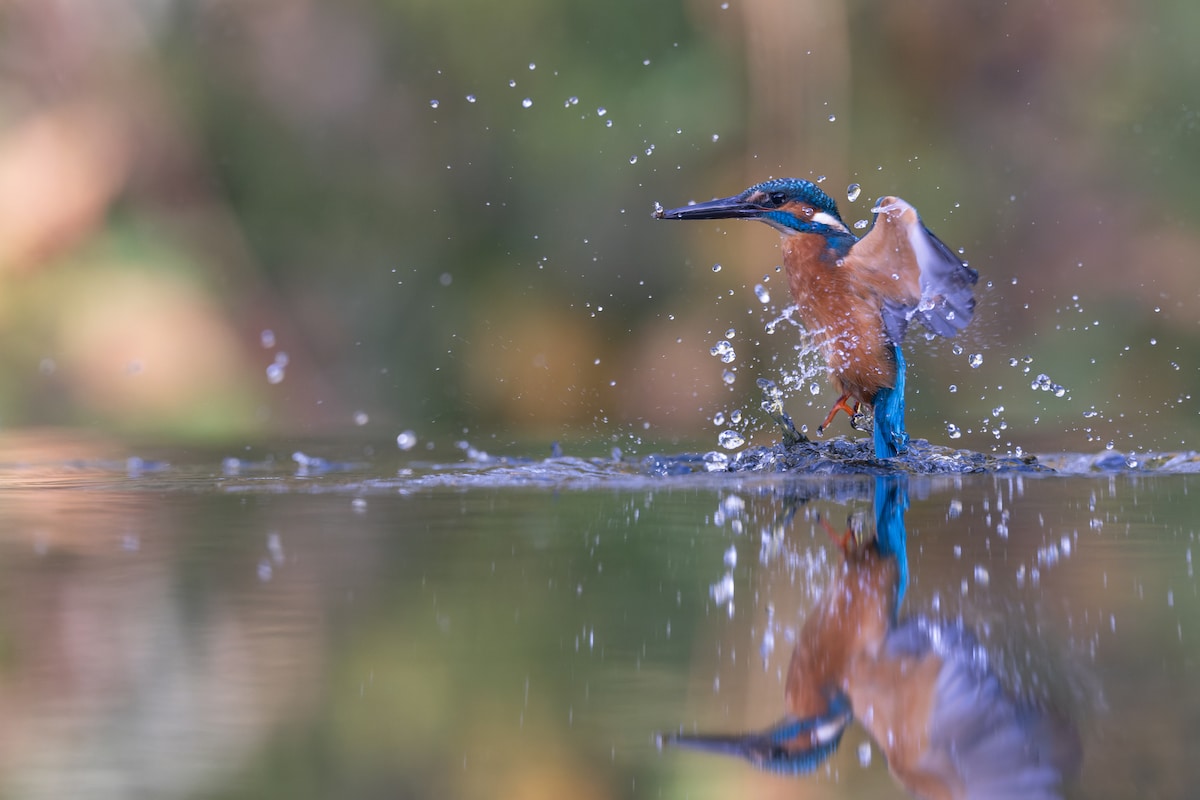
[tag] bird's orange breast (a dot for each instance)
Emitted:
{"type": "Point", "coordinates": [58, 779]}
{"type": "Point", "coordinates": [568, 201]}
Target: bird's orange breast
{"type": "Point", "coordinates": [839, 301]}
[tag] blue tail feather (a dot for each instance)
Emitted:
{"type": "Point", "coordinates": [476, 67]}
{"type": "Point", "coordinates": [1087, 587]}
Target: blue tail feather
{"type": "Point", "coordinates": [890, 437]}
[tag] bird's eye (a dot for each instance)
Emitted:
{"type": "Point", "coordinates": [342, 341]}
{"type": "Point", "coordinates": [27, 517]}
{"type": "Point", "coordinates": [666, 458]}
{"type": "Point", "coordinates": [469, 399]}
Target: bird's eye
{"type": "Point", "coordinates": [778, 198]}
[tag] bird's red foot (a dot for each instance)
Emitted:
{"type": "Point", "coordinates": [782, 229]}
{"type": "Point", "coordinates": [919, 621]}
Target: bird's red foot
{"type": "Point", "coordinates": [840, 405]}
{"type": "Point", "coordinates": [843, 539]}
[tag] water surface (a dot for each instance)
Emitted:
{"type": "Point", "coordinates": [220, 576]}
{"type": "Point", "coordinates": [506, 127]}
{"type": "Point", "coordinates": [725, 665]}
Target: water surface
{"type": "Point", "coordinates": [188, 626]}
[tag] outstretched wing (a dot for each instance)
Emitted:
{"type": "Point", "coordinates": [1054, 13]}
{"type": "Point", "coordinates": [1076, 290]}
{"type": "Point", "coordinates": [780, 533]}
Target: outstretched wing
{"type": "Point", "coordinates": [915, 274]}
{"type": "Point", "coordinates": [982, 741]}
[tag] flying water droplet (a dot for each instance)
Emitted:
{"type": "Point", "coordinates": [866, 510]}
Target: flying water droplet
{"type": "Point", "coordinates": [730, 439]}
{"type": "Point", "coordinates": [470, 98]}
{"type": "Point", "coordinates": [860, 224]}
{"type": "Point", "coordinates": [952, 431]}
{"type": "Point", "coordinates": [406, 440]}
{"type": "Point", "coordinates": [434, 103]}
{"type": "Point", "coordinates": [275, 373]}
{"type": "Point", "coordinates": [762, 294]}
{"type": "Point", "coordinates": [728, 377]}
{"type": "Point", "coordinates": [853, 191]}
{"type": "Point", "coordinates": [527, 102]}
{"type": "Point", "coordinates": [975, 360]}
{"type": "Point", "coordinates": [724, 351]}
{"type": "Point", "coordinates": [716, 267]}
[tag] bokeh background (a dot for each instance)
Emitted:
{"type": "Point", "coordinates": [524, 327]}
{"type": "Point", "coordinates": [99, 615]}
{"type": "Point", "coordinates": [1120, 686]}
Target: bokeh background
{"type": "Point", "coordinates": [221, 219]}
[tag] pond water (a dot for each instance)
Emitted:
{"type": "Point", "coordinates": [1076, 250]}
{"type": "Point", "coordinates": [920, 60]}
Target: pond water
{"type": "Point", "coordinates": [192, 626]}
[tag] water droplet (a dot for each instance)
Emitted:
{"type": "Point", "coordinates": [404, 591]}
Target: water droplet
{"type": "Point", "coordinates": [601, 111]}
{"type": "Point", "coordinates": [527, 102]}
{"type": "Point", "coordinates": [762, 294]}
{"type": "Point", "coordinates": [532, 65]}
{"type": "Point", "coordinates": [406, 440]}
{"type": "Point", "coordinates": [470, 98]}
{"type": "Point", "coordinates": [853, 191]}
{"type": "Point", "coordinates": [952, 431]}
{"type": "Point", "coordinates": [512, 84]}
{"type": "Point", "coordinates": [957, 349]}
{"type": "Point", "coordinates": [735, 417]}
{"type": "Point", "coordinates": [716, 137]}
{"type": "Point", "coordinates": [716, 267]}
{"type": "Point", "coordinates": [633, 159]}
{"type": "Point", "coordinates": [953, 388]}
{"type": "Point", "coordinates": [267, 338]}
{"type": "Point", "coordinates": [730, 439]}
{"type": "Point", "coordinates": [719, 419]}
{"type": "Point", "coordinates": [724, 351]}
{"type": "Point", "coordinates": [275, 373]}
{"type": "Point", "coordinates": [728, 377]}
{"type": "Point", "coordinates": [833, 118]}
{"type": "Point", "coordinates": [860, 224]}
{"type": "Point", "coordinates": [715, 461]}
{"type": "Point", "coordinates": [997, 411]}
{"type": "Point", "coordinates": [361, 418]}
{"type": "Point", "coordinates": [434, 103]}
{"type": "Point", "coordinates": [814, 389]}
{"type": "Point", "coordinates": [975, 360]}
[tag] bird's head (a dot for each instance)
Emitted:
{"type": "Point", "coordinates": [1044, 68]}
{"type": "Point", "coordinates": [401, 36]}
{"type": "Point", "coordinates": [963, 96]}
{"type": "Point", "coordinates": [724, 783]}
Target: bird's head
{"type": "Point", "coordinates": [790, 205]}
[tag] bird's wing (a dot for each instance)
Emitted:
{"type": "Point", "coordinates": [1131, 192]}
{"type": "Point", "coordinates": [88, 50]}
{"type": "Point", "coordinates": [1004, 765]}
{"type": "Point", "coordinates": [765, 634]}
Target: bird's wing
{"type": "Point", "coordinates": [981, 740]}
{"type": "Point", "coordinates": [914, 273]}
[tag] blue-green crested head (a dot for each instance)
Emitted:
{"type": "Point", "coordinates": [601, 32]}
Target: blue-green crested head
{"type": "Point", "coordinates": [781, 191]}
{"type": "Point", "coordinates": [795, 205]}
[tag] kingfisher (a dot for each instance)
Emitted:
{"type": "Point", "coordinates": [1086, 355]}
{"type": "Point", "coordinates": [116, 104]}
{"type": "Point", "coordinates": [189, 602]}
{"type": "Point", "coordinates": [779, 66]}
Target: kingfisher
{"type": "Point", "coordinates": [856, 297]}
{"type": "Point", "coordinates": [923, 689]}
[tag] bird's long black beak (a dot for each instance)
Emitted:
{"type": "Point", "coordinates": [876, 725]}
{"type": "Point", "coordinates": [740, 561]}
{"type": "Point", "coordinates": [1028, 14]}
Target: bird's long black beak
{"type": "Point", "coordinates": [792, 747]}
{"type": "Point", "coordinates": [726, 208]}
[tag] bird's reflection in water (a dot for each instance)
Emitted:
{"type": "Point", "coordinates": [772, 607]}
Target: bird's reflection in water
{"type": "Point", "coordinates": [921, 688]}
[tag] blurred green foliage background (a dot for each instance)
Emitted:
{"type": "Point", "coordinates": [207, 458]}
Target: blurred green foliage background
{"type": "Point", "coordinates": [440, 212]}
